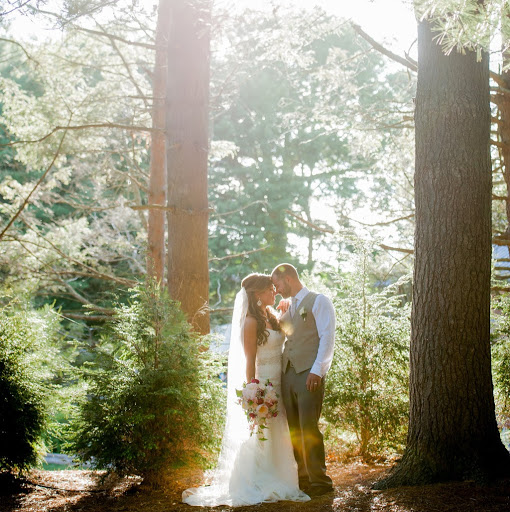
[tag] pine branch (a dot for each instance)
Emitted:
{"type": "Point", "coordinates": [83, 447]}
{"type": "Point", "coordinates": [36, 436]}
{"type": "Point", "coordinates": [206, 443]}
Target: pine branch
{"type": "Point", "coordinates": [80, 298]}
{"type": "Point", "coordinates": [134, 180]}
{"type": "Point", "coordinates": [90, 318]}
{"type": "Point", "coordinates": [498, 79]}
{"type": "Point", "coordinates": [65, 21]}
{"type": "Point", "coordinates": [310, 224]}
{"type": "Point", "coordinates": [499, 144]}
{"type": "Point", "coordinates": [127, 127]}
{"type": "Point", "coordinates": [221, 310]}
{"type": "Point", "coordinates": [126, 65]}
{"type": "Point", "coordinates": [29, 57]}
{"type": "Point", "coordinates": [17, 8]}
{"type": "Point", "coordinates": [41, 179]}
{"type": "Point", "coordinates": [502, 289]}
{"type": "Point", "coordinates": [385, 223]}
{"type": "Point", "coordinates": [238, 255]}
{"type": "Point", "coordinates": [116, 38]}
{"type": "Point", "coordinates": [407, 62]}
{"type": "Point", "coordinates": [398, 249]}
{"type": "Point", "coordinates": [95, 273]}
{"type": "Point", "coordinates": [223, 214]}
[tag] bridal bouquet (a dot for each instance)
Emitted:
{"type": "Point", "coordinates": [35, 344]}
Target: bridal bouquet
{"type": "Point", "coordinates": [260, 402]}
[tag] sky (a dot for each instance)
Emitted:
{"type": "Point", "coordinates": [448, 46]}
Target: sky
{"type": "Point", "coordinates": [388, 21]}
{"type": "Point", "coordinates": [391, 22]}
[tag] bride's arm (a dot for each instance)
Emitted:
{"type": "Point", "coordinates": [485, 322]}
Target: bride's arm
{"type": "Point", "coordinates": [282, 307]}
{"type": "Point", "coordinates": [250, 346]}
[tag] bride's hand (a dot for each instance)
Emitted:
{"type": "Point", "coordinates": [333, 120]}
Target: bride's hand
{"type": "Point", "coordinates": [283, 306]}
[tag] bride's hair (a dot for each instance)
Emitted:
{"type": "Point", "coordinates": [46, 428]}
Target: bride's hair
{"type": "Point", "coordinates": [254, 283]}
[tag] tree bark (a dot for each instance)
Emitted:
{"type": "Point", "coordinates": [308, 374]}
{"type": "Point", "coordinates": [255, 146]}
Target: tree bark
{"type": "Point", "coordinates": [504, 136]}
{"type": "Point", "coordinates": [187, 151]}
{"type": "Point", "coordinates": [157, 182]}
{"type": "Point", "coordinates": [452, 426]}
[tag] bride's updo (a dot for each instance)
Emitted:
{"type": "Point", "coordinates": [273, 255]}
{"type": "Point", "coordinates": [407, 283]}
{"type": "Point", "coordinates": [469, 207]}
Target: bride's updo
{"type": "Point", "coordinates": [256, 283]}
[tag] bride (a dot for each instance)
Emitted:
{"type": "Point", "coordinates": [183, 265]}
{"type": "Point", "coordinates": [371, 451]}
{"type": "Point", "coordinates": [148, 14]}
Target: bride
{"type": "Point", "coordinates": [251, 470]}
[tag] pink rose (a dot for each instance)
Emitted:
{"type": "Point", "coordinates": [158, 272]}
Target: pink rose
{"type": "Point", "coordinates": [256, 381]}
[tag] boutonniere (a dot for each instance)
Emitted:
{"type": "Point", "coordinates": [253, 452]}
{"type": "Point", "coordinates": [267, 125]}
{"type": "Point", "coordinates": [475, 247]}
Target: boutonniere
{"type": "Point", "coordinates": [303, 312]}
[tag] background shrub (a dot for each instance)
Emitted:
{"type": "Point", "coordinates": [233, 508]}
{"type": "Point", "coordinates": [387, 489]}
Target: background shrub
{"type": "Point", "coordinates": [154, 394]}
{"type": "Point", "coordinates": [28, 359]}
{"type": "Point", "coordinates": [367, 386]}
{"type": "Point", "coordinates": [500, 351]}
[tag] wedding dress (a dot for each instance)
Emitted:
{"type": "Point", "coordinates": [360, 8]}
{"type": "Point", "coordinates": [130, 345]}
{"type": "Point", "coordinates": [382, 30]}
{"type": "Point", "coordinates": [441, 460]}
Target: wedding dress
{"type": "Point", "coordinates": [252, 471]}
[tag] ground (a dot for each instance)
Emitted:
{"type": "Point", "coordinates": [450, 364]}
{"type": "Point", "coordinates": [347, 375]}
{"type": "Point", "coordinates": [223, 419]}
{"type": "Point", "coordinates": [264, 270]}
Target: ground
{"type": "Point", "coordinates": [82, 491]}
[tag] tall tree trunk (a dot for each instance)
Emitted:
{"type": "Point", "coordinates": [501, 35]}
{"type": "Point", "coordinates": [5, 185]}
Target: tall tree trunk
{"type": "Point", "coordinates": [187, 151]}
{"type": "Point", "coordinates": [504, 134]}
{"type": "Point", "coordinates": [452, 425]}
{"type": "Point", "coordinates": [157, 183]}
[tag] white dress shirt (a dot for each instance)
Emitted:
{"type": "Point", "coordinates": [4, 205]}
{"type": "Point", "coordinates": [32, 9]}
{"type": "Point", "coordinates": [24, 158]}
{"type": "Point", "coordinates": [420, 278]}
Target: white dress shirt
{"type": "Point", "coordinates": [324, 314]}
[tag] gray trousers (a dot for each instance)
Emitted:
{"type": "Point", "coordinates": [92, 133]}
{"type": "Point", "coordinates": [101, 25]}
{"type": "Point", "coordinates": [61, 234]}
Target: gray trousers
{"type": "Point", "coordinates": [303, 412]}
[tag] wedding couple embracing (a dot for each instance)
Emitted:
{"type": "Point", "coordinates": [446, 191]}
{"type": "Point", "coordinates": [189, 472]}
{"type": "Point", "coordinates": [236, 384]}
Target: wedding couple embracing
{"type": "Point", "coordinates": [293, 350]}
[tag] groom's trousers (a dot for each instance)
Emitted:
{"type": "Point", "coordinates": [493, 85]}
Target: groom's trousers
{"type": "Point", "coordinates": [303, 412]}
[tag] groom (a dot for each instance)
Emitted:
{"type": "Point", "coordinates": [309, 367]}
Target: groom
{"type": "Point", "coordinates": [310, 326]}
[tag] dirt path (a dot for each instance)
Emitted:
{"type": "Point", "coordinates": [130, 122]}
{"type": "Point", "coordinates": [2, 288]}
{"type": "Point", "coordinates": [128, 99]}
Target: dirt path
{"type": "Point", "coordinates": [81, 491]}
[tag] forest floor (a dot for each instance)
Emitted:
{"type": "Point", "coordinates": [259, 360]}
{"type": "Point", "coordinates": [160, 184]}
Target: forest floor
{"type": "Point", "coordinates": [82, 491]}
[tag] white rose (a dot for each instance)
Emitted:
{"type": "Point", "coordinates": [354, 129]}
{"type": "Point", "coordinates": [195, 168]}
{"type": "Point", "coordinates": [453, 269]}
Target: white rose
{"type": "Point", "coordinates": [271, 395]}
{"type": "Point", "coordinates": [250, 391]}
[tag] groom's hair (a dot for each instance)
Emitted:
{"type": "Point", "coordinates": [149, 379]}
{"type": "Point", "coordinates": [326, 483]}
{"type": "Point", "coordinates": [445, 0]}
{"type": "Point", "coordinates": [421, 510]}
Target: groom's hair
{"type": "Point", "coordinates": [285, 269]}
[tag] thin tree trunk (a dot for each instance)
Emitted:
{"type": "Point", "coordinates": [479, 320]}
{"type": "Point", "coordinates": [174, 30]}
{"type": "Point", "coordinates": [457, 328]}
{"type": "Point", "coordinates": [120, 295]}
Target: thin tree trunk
{"type": "Point", "coordinates": [157, 184]}
{"type": "Point", "coordinates": [187, 151]}
{"type": "Point", "coordinates": [452, 426]}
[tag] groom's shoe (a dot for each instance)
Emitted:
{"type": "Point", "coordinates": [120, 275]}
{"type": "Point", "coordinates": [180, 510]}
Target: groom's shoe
{"type": "Point", "coordinates": [319, 490]}
{"type": "Point", "coordinates": [304, 485]}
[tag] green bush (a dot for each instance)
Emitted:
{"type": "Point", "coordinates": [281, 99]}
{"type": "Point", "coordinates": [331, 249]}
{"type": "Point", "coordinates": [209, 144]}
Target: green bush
{"type": "Point", "coordinates": [367, 385]}
{"type": "Point", "coordinates": [27, 358]}
{"type": "Point", "coordinates": [154, 395]}
{"type": "Point", "coordinates": [500, 349]}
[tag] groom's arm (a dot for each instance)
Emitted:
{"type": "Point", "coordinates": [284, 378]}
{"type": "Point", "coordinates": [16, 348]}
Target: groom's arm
{"type": "Point", "coordinates": [324, 314]}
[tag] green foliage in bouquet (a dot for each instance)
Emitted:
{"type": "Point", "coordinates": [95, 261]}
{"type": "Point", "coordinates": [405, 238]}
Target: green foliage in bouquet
{"type": "Point", "coordinates": [28, 355]}
{"type": "Point", "coordinates": [367, 386]}
{"type": "Point", "coordinates": [154, 394]}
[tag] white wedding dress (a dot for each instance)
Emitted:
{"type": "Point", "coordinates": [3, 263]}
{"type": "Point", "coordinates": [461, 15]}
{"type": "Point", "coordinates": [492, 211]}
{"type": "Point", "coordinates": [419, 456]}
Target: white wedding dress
{"type": "Point", "coordinates": [262, 471]}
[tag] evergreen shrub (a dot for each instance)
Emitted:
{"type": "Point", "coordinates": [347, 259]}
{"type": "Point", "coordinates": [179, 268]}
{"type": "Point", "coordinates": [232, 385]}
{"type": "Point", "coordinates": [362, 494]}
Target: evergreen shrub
{"type": "Point", "coordinates": [367, 385]}
{"type": "Point", "coordinates": [154, 395]}
{"type": "Point", "coordinates": [27, 356]}
{"type": "Point", "coordinates": [500, 352]}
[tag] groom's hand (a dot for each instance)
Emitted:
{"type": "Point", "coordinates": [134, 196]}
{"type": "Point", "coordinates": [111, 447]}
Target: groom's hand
{"type": "Point", "coordinates": [313, 382]}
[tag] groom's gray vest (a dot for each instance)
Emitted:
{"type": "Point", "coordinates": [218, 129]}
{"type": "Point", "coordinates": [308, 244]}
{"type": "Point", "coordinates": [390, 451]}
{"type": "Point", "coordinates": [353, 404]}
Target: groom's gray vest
{"type": "Point", "coordinates": [302, 341]}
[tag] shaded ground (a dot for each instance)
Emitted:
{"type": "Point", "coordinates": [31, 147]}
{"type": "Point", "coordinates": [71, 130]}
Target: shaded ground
{"type": "Point", "coordinates": [82, 491]}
